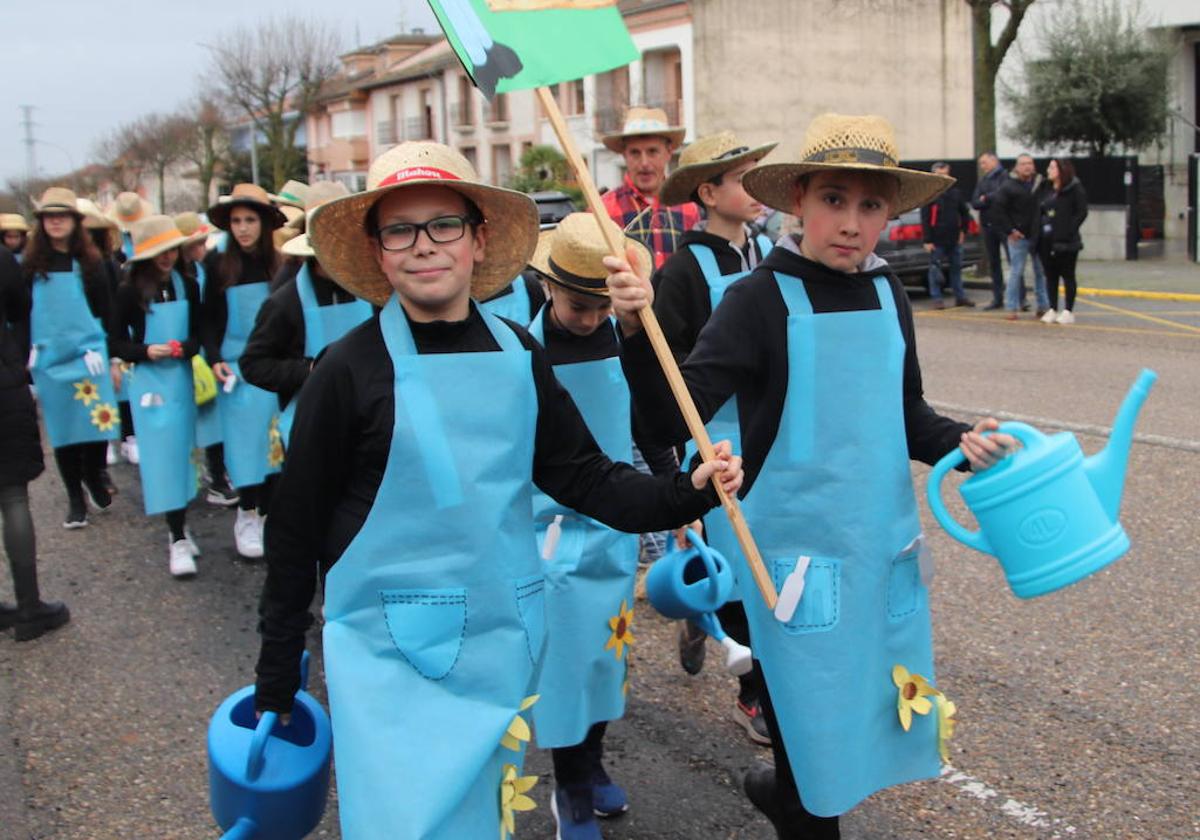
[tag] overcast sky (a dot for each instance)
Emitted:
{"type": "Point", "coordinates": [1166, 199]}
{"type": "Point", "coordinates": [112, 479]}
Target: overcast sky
{"type": "Point", "coordinates": [87, 67]}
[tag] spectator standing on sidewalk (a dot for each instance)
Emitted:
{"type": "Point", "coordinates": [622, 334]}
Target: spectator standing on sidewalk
{"type": "Point", "coordinates": [1062, 203]}
{"type": "Point", "coordinates": [1017, 215]}
{"type": "Point", "coordinates": [991, 177]}
{"type": "Point", "coordinates": [944, 226]}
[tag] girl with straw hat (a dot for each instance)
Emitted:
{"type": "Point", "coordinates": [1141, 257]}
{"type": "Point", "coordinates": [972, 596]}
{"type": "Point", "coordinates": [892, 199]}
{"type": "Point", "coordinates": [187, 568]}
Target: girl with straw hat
{"type": "Point", "coordinates": [14, 230]}
{"type": "Point", "coordinates": [417, 443]}
{"type": "Point", "coordinates": [304, 314]}
{"type": "Point", "coordinates": [711, 256]}
{"type": "Point", "coordinates": [126, 209]}
{"type": "Point", "coordinates": [156, 326]}
{"type": "Point", "coordinates": [590, 568]}
{"type": "Point", "coordinates": [69, 356]}
{"type": "Point", "coordinates": [817, 344]}
{"type": "Point", "coordinates": [238, 283]}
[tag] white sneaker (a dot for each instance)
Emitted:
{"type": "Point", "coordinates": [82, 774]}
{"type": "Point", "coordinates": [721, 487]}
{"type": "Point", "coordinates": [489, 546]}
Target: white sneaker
{"type": "Point", "coordinates": [190, 539]}
{"type": "Point", "coordinates": [248, 534]}
{"type": "Point", "coordinates": [129, 450]}
{"type": "Point", "coordinates": [183, 564]}
{"type": "Point", "coordinates": [111, 456]}
{"type": "Point", "coordinates": [1066, 317]}
{"type": "Point", "coordinates": [1050, 317]}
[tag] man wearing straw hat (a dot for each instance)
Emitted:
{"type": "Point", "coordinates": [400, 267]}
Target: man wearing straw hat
{"type": "Point", "coordinates": [418, 440]}
{"type": "Point", "coordinates": [818, 345]}
{"type": "Point", "coordinates": [304, 314]}
{"type": "Point", "coordinates": [646, 141]}
{"type": "Point", "coordinates": [711, 256]}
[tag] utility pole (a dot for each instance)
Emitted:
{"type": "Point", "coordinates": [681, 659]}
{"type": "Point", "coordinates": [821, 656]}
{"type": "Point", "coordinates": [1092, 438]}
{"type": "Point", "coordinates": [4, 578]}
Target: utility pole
{"type": "Point", "coordinates": [30, 142]}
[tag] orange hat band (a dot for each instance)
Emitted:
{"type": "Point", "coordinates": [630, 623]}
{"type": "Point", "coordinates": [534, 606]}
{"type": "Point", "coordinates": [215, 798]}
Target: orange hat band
{"type": "Point", "coordinates": [156, 240]}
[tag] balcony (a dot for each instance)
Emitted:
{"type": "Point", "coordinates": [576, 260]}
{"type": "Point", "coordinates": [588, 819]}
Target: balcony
{"type": "Point", "coordinates": [417, 128]}
{"type": "Point", "coordinates": [462, 115]}
{"type": "Point", "coordinates": [610, 116]}
{"type": "Point", "coordinates": [340, 154]}
{"type": "Point", "coordinates": [386, 134]}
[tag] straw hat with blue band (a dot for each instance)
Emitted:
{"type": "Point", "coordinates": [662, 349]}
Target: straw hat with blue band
{"type": "Point", "coordinates": [839, 142]}
{"type": "Point", "coordinates": [341, 242]}
{"type": "Point", "coordinates": [705, 159]}
{"type": "Point", "coordinates": [572, 254]}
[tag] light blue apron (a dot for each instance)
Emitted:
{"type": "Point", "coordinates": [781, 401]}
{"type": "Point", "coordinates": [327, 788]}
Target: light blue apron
{"type": "Point", "coordinates": [249, 415]}
{"type": "Point", "coordinates": [127, 245]}
{"type": "Point", "coordinates": [836, 487]}
{"type": "Point", "coordinates": [323, 325]}
{"type": "Point", "coordinates": [590, 574]}
{"type": "Point", "coordinates": [515, 306]}
{"type": "Point", "coordinates": [208, 416]}
{"type": "Point", "coordinates": [77, 406]}
{"type": "Point", "coordinates": [434, 614]}
{"type": "Point", "coordinates": [724, 424]}
{"type": "Point", "coordinates": [166, 427]}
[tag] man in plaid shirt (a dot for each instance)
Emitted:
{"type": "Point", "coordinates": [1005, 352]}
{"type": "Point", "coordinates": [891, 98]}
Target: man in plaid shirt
{"type": "Point", "coordinates": [646, 142]}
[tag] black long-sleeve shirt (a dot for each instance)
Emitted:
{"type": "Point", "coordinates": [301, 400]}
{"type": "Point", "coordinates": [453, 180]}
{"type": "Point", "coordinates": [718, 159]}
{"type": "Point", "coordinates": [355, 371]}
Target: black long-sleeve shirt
{"type": "Point", "coordinates": [95, 287]}
{"type": "Point", "coordinates": [14, 322]}
{"type": "Point", "coordinates": [682, 301]}
{"type": "Point", "coordinates": [214, 309]}
{"type": "Point", "coordinates": [339, 451]}
{"type": "Point", "coordinates": [127, 333]}
{"type": "Point", "coordinates": [274, 358]}
{"type": "Point", "coordinates": [743, 351]}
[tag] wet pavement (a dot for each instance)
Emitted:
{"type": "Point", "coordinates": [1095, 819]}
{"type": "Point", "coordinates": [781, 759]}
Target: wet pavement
{"type": "Point", "coordinates": [1077, 711]}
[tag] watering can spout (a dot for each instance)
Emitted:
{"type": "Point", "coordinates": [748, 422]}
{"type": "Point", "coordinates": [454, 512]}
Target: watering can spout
{"type": "Point", "coordinates": [1106, 469]}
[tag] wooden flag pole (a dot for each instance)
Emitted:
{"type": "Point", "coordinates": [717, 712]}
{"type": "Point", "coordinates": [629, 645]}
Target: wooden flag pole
{"type": "Point", "coordinates": [661, 349]}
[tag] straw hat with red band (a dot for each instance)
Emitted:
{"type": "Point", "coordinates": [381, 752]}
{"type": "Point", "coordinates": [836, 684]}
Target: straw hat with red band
{"type": "Point", "coordinates": [339, 237]}
{"type": "Point", "coordinates": [129, 207]}
{"type": "Point", "coordinates": [153, 235]}
{"type": "Point", "coordinates": [572, 254]}
{"type": "Point", "coordinates": [838, 142]}
{"type": "Point", "coordinates": [58, 200]}
{"type": "Point", "coordinates": [193, 227]}
{"type": "Point", "coordinates": [318, 194]}
{"type": "Point", "coordinates": [246, 195]}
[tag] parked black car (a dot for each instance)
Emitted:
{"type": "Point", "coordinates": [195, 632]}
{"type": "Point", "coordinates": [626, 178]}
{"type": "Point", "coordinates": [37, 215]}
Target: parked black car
{"type": "Point", "coordinates": [553, 206]}
{"type": "Point", "coordinates": [902, 245]}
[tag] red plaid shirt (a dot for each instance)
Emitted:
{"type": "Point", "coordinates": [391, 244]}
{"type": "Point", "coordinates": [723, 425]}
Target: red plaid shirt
{"type": "Point", "coordinates": [644, 219]}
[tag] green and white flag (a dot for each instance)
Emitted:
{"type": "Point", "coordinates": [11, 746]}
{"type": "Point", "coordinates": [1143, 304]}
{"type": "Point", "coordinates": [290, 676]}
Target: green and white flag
{"type": "Point", "coordinates": [518, 44]}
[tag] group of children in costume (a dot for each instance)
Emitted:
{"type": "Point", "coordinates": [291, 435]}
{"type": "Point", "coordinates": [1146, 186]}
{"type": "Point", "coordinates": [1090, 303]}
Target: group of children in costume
{"type": "Point", "coordinates": [458, 485]}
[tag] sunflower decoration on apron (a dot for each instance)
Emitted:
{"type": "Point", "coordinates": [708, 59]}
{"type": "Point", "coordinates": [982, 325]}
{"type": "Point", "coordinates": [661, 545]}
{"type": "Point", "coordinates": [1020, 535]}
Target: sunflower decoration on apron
{"type": "Point", "coordinates": [622, 635]}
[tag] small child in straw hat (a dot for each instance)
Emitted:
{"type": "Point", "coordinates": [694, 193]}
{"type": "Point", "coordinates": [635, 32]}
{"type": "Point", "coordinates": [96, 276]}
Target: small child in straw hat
{"type": "Point", "coordinates": [418, 441]}
{"type": "Point", "coordinates": [817, 345]}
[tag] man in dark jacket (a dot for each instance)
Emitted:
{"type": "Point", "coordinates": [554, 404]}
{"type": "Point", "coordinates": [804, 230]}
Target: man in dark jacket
{"type": "Point", "coordinates": [991, 176]}
{"type": "Point", "coordinates": [944, 224]}
{"type": "Point", "coordinates": [1016, 215]}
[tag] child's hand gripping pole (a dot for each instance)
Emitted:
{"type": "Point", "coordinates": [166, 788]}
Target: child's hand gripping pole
{"type": "Point", "coordinates": [663, 351]}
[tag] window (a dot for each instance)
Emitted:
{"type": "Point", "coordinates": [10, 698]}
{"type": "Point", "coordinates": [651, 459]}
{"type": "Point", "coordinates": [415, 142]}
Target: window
{"type": "Point", "coordinates": [576, 104]}
{"type": "Point", "coordinates": [469, 153]}
{"type": "Point", "coordinates": [347, 124]}
{"type": "Point", "coordinates": [501, 164]}
{"type": "Point", "coordinates": [498, 108]}
{"type": "Point", "coordinates": [426, 115]}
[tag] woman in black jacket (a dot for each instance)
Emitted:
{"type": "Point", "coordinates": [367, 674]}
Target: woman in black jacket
{"type": "Point", "coordinates": [1062, 204]}
{"type": "Point", "coordinates": [20, 461]}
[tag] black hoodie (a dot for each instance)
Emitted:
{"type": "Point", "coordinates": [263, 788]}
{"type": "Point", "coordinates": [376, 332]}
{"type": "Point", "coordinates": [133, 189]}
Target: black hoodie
{"type": "Point", "coordinates": [1062, 213]}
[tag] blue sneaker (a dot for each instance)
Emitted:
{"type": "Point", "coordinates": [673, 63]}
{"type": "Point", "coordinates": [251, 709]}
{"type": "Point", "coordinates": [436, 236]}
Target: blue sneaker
{"type": "Point", "coordinates": [573, 814]}
{"type": "Point", "coordinates": [608, 798]}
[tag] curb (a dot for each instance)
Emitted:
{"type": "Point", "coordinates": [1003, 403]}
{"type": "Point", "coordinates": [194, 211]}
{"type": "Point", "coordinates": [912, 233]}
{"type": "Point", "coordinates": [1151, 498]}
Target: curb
{"type": "Point", "coordinates": [1188, 297]}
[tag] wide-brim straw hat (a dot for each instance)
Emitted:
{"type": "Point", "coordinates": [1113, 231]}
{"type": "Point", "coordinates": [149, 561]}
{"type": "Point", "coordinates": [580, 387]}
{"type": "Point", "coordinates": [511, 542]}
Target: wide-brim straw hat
{"type": "Point", "coordinates": [193, 227]}
{"type": "Point", "coordinates": [58, 200]}
{"type": "Point", "coordinates": [152, 236]}
{"type": "Point", "coordinates": [318, 194]}
{"type": "Point", "coordinates": [338, 233]}
{"type": "Point", "coordinates": [293, 214]}
{"type": "Point", "coordinates": [127, 208]}
{"type": "Point", "coordinates": [246, 195]}
{"type": "Point", "coordinates": [845, 143]}
{"type": "Point", "coordinates": [707, 158]}
{"type": "Point", "coordinates": [572, 254]}
{"type": "Point", "coordinates": [94, 219]}
{"type": "Point", "coordinates": [644, 122]}
{"type": "Point", "coordinates": [13, 221]}
{"type": "Point", "coordinates": [292, 194]}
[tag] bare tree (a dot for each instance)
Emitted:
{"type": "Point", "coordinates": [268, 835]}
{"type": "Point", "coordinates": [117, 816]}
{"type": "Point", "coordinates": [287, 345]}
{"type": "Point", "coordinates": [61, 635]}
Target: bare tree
{"type": "Point", "coordinates": [209, 144]}
{"type": "Point", "coordinates": [272, 72]}
{"type": "Point", "coordinates": [160, 141]}
{"type": "Point", "coordinates": [987, 60]}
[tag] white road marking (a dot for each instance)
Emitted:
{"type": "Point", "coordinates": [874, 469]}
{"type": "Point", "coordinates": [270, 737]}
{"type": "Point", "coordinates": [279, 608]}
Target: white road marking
{"type": "Point", "coordinates": [1026, 815]}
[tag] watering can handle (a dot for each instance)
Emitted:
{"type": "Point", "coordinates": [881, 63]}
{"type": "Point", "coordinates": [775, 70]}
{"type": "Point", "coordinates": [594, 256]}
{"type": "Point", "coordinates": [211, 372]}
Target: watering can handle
{"type": "Point", "coordinates": [1023, 432]}
{"type": "Point", "coordinates": [706, 557]}
{"type": "Point", "coordinates": [258, 745]}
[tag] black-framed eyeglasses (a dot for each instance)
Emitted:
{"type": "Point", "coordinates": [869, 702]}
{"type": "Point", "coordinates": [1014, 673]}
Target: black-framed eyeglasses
{"type": "Point", "coordinates": [403, 235]}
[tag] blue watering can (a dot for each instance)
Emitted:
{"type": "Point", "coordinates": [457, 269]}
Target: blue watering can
{"type": "Point", "coordinates": [268, 781]}
{"type": "Point", "coordinates": [693, 583]}
{"type": "Point", "coordinates": [1048, 514]}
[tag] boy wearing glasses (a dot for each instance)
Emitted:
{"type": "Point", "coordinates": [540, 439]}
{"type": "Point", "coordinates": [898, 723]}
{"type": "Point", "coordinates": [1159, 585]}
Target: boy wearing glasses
{"type": "Point", "coordinates": [418, 440]}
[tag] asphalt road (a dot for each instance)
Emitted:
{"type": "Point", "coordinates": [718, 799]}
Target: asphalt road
{"type": "Point", "coordinates": [1077, 711]}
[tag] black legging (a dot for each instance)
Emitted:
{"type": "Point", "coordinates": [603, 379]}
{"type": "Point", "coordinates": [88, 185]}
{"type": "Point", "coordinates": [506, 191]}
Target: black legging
{"type": "Point", "coordinates": [20, 543]}
{"type": "Point", "coordinates": [177, 522]}
{"type": "Point", "coordinates": [735, 624]}
{"type": "Point", "coordinates": [126, 419]}
{"type": "Point", "coordinates": [257, 497]}
{"type": "Point", "coordinates": [78, 463]}
{"type": "Point", "coordinates": [1060, 265]}
{"type": "Point", "coordinates": [576, 765]}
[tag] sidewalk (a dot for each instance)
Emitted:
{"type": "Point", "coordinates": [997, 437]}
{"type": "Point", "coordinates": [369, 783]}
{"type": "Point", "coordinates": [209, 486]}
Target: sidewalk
{"type": "Point", "coordinates": [1171, 277]}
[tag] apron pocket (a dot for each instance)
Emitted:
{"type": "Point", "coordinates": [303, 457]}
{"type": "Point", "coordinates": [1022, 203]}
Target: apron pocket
{"type": "Point", "coordinates": [427, 627]}
{"type": "Point", "coordinates": [531, 604]}
{"type": "Point", "coordinates": [906, 594]}
{"type": "Point", "coordinates": [820, 602]}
